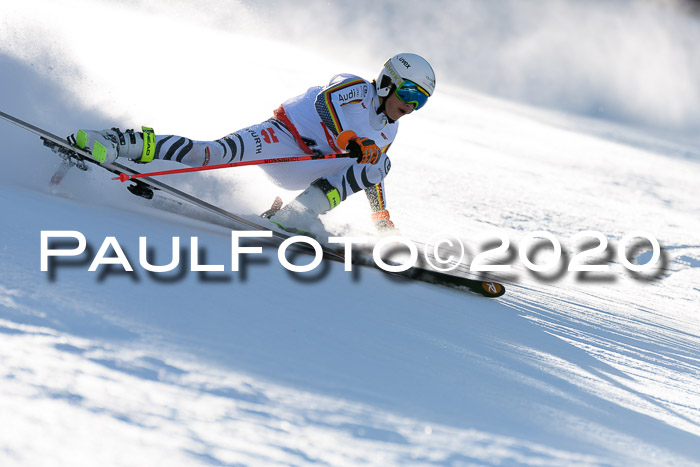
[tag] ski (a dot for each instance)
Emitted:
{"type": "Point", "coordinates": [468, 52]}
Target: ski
{"type": "Point", "coordinates": [145, 187]}
{"type": "Point", "coordinates": [486, 288]}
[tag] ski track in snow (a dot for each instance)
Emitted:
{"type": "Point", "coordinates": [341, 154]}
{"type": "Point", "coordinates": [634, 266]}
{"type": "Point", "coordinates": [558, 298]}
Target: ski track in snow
{"type": "Point", "coordinates": [266, 367]}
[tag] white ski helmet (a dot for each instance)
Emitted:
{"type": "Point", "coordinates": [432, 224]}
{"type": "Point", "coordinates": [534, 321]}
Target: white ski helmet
{"type": "Point", "coordinates": [406, 67]}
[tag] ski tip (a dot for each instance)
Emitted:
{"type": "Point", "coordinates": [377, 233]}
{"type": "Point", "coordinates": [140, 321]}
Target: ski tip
{"type": "Point", "coordinates": [492, 289]}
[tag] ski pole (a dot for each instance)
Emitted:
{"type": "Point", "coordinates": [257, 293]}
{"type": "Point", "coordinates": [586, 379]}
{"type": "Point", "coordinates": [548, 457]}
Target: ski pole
{"type": "Point", "coordinates": [125, 177]}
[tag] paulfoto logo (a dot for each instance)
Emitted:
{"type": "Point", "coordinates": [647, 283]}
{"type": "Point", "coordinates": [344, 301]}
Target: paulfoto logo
{"type": "Point", "coordinates": [443, 252]}
{"type": "Point", "coordinates": [111, 252]}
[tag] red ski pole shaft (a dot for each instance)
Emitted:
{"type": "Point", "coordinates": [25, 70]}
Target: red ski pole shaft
{"type": "Point", "coordinates": [125, 177]}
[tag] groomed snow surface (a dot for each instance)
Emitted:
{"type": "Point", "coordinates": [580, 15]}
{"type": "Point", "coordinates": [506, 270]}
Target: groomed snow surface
{"type": "Point", "coordinates": [268, 367]}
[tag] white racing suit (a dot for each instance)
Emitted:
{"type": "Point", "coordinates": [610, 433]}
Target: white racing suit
{"type": "Point", "coordinates": [306, 124]}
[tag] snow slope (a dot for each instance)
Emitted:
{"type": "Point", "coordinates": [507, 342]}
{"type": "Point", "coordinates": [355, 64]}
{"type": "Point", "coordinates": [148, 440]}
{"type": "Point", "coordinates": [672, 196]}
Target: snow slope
{"type": "Point", "coordinates": [269, 367]}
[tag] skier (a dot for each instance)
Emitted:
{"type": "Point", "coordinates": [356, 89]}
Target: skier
{"type": "Point", "coordinates": [349, 115]}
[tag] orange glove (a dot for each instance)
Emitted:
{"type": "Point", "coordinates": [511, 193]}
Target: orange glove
{"type": "Point", "coordinates": [364, 149]}
{"type": "Point", "coordinates": [383, 223]}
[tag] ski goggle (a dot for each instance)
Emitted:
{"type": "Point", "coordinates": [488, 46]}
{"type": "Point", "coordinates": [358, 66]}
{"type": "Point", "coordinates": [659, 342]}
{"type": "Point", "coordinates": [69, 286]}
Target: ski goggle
{"type": "Point", "coordinates": [410, 93]}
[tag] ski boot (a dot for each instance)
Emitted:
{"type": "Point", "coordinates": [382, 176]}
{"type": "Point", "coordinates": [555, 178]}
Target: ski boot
{"type": "Point", "coordinates": [106, 146]}
{"type": "Point", "coordinates": [301, 215]}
